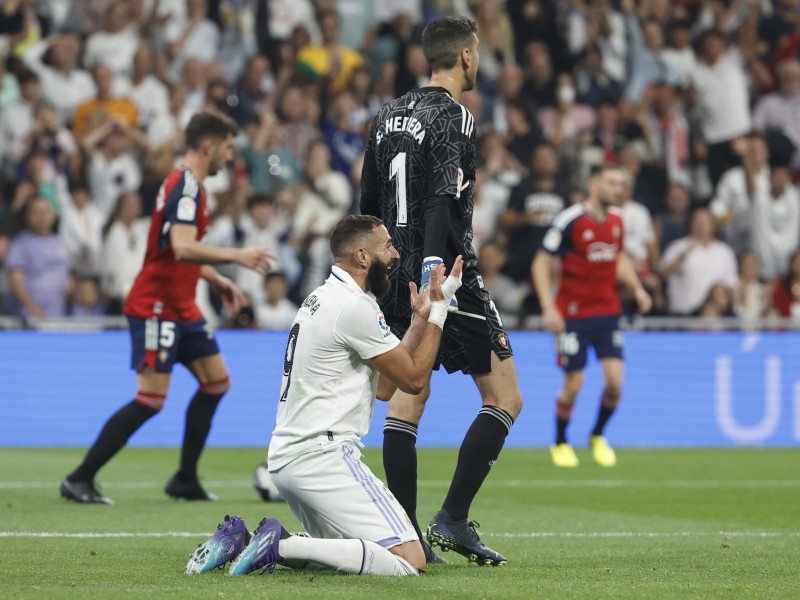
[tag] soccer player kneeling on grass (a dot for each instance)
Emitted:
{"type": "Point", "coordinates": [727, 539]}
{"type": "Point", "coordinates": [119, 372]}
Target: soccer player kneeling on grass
{"type": "Point", "coordinates": [341, 355]}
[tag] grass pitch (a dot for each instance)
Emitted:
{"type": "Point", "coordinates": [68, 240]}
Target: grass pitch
{"type": "Point", "coordinates": [662, 524]}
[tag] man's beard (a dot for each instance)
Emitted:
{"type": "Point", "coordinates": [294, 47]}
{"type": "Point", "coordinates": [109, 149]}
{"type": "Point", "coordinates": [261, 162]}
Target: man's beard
{"type": "Point", "coordinates": [378, 278]}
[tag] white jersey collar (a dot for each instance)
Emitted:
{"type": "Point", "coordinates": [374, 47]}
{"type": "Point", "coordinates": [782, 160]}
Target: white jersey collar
{"type": "Point", "coordinates": [347, 279]}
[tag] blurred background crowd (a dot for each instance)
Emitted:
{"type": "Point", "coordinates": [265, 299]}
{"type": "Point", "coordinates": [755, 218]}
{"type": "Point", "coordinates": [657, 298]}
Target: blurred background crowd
{"type": "Point", "coordinates": [698, 100]}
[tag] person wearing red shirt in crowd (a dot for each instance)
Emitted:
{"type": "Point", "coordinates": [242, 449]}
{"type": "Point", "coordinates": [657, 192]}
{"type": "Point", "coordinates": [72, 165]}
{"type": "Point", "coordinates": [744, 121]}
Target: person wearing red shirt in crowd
{"type": "Point", "coordinates": [589, 239]}
{"type": "Point", "coordinates": [165, 323]}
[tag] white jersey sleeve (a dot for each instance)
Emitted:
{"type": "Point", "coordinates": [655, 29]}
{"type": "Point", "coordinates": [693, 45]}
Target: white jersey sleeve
{"type": "Point", "coordinates": [362, 327]}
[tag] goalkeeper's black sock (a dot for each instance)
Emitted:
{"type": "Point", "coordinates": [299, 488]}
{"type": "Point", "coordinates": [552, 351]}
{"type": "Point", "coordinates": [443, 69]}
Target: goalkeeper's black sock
{"type": "Point", "coordinates": [608, 404]}
{"type": "Point", "coordinates": [479, 451]}
{"type": "Point", "coordinates": [400, 465]}
{"type": "Point", "coordinates": [114, 435]}
{"type": "Point", "coordinates": [198, 423]}
{"type": "Point", "coordinates": [563, 415]}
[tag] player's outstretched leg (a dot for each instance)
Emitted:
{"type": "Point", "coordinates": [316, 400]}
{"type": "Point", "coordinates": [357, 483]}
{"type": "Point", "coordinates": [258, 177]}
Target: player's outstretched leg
{"type": "Point", "coordinates": [230, 538]}
{"type": "Point", "coordinates": [271, 544]}
{"type": "Point", "coordinates": [79, 485]}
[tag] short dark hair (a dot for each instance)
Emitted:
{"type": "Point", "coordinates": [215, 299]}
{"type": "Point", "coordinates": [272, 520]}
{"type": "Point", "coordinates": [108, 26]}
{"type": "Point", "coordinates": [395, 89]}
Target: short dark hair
{"type": "Point", "coordinates": [208, 124]}
{"type": "Point", "coordinates": [444, 38]}
{"type": "Point", "coordinates": [350, 229]}
{"type": "Point", "coordinates": [598, 170]}
{"type": "Point", "coordinates": [258, 199]}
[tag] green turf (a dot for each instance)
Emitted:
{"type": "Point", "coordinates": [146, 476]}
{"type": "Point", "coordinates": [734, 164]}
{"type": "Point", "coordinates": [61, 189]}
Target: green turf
{"type": "Point", "coordinates": [663, 524]}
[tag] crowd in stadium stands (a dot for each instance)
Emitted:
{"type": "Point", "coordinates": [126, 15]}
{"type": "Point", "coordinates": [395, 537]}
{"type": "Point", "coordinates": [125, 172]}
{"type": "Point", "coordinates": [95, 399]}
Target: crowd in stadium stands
{"type": "Point", "coordinates": [698, 100]}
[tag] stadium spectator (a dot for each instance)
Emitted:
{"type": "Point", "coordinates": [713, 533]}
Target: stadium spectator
{"type": "Point", "coordinates": [751, 299]}
{"type": "Point", "coordinates": [331, 60]}
{"type": "Point", "coordinates": [786, 292]}
{"type": "Point", "coordinates": [119, 109]}
{"type": "Point", "coordinates": [720, 87]}
{"type": "Point", "coordinates": [497, 41]}
{"type": "Point", "coordinates": [299, 131]}
{"type": "Point", "coordinates": [563, 122]}
{"type": "Point", "coordinates": [148, 92]}
{"type": "Point", "coordinates": [191, 36]}
{"type": "Point", "coordinates": [80, 226]}
{"type": "Point", "coordinates": [123, 249]}
{"type": "Point", "coordinates": [645, 43]}
{"type": "Point", "coordinates": [673, 223]}
{"type": "Point", "coordinates": [540, 80]}
{"type": "Point", "coordinates": [732, 204]}
{"type": "Point", "coordinates": [253, 89]}
{"type": "Point", "coordinates": [780, 110]}
{"type": "Point", "coordinates": [113, 166]}
{"type": "Point", "coordinates": [9, 87]}
{"type": "Point", "coordinates": [116, 44]}
{"type": "Point", "coordinates": [343, 132]}
{"type": "Point", "coordinates": [591, 82]}
{"type": "Point", "coordinates": [507, 294]}
{"type": "Point", "coordinates": [640, 241]}
{"type": "Point", "coordinates": [64, 84]}
{"type": "Point", "coordinates": [276, 311]}
{"type": "Point", "coordinates": [16, 120]}
{"type": "Point", "coordinates": [680, 55]}
{"type": "Point", "coordinates": [718, 305]}
{"type": "Point", "coordinates": [693, 264]}
{"type": "Point", "coordinates": [532, 206]}
{"type": "Point", "coordinates": [596, 22]}
{"type": "Point", "coordinates": [270, 166]}
{"type": "Point", "coordinates": [38, 265]}
{"type": "Point", "coordinates": [86, 301]}
{"type": "Point", "coordinates": [509, 87]}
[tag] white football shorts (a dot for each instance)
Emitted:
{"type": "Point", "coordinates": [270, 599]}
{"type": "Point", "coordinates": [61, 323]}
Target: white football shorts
{"type": "Point", "coordinates": [335, 495]}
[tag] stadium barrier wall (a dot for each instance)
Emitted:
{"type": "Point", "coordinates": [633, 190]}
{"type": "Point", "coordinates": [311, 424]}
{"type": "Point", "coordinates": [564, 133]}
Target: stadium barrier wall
{"type": "Point", "coordinates": [681, 389]}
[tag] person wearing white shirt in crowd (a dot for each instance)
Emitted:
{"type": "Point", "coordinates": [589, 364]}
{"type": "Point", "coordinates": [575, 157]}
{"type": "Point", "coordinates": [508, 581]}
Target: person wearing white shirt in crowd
{"type": "Point", "coordinates": [145, 90]}
{"type": "Point", "coordinates": [257, 228]}
{"type": "Point", "coordinates": [776, 222]}
{"type": "Point", "coordinates": [113, 167]}
{"type": "Point", "coordinates": [680, 54]}
{"type": "Point", "coordinates": [115, 45]}
{"type": "Point", "coordinates": [64, 84]}
{"type": "Point", "coordinates": [781, 110]}
{"type": "Point", "coordinates": [285, 15]}
{"type": "Point", "coordinates": [276, 311]}
{"type": "Point", "coordinates": [191, 36]}
{"type": "Point", "coordinates": [80, 227]}
{"type": "Point", "coordinates": [692, 265]}
{"type": "Point", "coordinates": [751, 299]}
{"type": "Point", "coordinates": [124, 248]}
{"type": "Point", "coordinates": [640, 237]}
{"type": "Point", "coordinates": [17, 120]}
{"type": "Point", "coordinates": [720, 84]}
{"type": "Point", "coordinates": [595, 22]}
{"type": "Point", "coordinates": [732, 206]}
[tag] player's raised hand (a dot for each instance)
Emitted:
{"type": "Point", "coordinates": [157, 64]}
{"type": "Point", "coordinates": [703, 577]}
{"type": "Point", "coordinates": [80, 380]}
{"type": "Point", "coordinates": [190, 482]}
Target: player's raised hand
{"type": "Point", "coordinates": [453, 282]}
{"type": "Point", "coordinates": [553, 320]}
{"type": "Point", "coordinates": [420, 301]}
{"type": "Point", "coordinates": [232, 297]}
{"type": "Point", "coordinates": [256, 258]}
{"type": "Point", "coordinates": [434, 287]}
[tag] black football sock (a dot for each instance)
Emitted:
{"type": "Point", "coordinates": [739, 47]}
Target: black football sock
{"type": "Point", "coordinates": [400, 465]}
{"type": "Point", "coordinates": [198, 423]}
{"type": "Point", "coordinates": [479, 451]}
{"type": "Point", "coordinates": [114, 435]}
{"type": "Point", "coordinates": [608, 404]}
{"type": "Point", "coordinates": [563, 415]}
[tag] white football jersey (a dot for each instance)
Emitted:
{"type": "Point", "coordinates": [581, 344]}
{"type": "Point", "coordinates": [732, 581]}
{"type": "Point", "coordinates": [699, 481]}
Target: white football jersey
{"type": "Point", "coordinates": [328, 388]}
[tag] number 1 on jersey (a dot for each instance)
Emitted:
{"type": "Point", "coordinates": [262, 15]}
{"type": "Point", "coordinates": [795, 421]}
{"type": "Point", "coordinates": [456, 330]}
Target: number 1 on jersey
{"type": "Point", "coordinates": [398, 170]}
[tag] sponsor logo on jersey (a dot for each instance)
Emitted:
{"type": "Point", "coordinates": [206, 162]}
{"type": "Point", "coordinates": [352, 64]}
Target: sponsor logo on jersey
{"type": "Point", "coordinates": [601, 252]}
{"type": "Point", "coordinates": [383, 325]}
{"type": "Point", "coordinates": [187, 209]}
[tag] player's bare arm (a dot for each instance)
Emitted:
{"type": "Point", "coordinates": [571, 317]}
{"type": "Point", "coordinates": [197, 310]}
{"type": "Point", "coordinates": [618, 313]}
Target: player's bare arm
{"type": "Point", "coordinates": [626, 273]}
{"type": "Point", "coordinates": [542, 270]}
{"type": "Point", "coordinates": [232, 297]}
{"type": "Point", "coordinates": [408, 366]}
{"type": "Point", "coordinates": [183, 239]}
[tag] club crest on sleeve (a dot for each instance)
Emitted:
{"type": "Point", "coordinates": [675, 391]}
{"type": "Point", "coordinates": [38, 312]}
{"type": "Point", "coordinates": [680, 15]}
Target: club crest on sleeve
{"type": "Point", "coordinates": [502, 339]}
{"type": "Point", "coordinates": [186, 209]}
{"type": "Point", "coordinates": [383, 325]}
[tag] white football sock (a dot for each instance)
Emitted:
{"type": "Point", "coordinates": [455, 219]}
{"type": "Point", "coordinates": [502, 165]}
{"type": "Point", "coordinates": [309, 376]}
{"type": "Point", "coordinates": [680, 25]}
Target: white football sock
{"type": "Point", "coordinates": [360, 557]}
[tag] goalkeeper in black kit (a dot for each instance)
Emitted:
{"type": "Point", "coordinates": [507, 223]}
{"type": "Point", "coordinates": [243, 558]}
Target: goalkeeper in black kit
{"type": "Point", "coordinates": [419, 176]}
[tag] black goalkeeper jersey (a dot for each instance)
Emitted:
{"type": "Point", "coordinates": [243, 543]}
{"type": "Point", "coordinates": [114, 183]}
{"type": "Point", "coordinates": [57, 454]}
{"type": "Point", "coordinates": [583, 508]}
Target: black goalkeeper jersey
{"type": "Point", "coordinates": [422, 145]}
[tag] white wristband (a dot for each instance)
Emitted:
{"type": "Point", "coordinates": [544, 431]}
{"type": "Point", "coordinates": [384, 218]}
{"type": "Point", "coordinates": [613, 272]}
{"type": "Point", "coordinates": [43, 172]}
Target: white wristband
{"type": "Point", "coordinates": [438, 313]}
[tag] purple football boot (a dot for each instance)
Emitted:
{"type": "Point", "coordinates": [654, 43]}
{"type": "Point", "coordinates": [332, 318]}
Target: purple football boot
{"type": "Point", "coordinates": [262, 551]}
{"type": "Point", "coordinates": [230, 538]}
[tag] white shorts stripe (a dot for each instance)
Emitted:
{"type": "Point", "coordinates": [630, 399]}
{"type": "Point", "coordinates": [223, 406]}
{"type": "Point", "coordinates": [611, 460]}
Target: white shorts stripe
{"type": "Point", "coordinates": [365, 481]}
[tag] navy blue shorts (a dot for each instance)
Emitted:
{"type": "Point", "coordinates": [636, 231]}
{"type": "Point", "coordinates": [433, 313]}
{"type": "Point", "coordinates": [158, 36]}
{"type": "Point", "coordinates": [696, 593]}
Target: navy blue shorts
{"type": "Point", "coordinates": [160, 344]}
{"type": "Point", "coordinates": [601, 332]}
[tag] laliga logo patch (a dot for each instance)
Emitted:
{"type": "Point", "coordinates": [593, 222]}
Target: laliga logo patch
{"type": "Point", "coordinates": [163, 355]}
{"type": "Point", "coordinates": [383, 325]}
